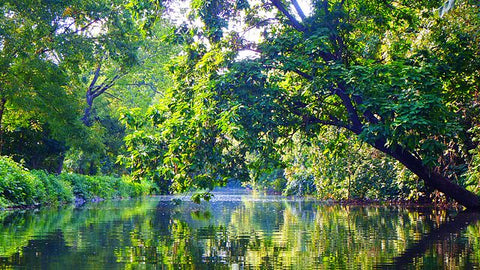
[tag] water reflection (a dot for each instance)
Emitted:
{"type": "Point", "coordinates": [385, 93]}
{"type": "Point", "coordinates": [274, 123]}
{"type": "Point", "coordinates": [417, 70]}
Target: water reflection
{"type": "Point", "coordinates": [237, 232]}
{"type": "Point", "coordinates": [448, 232]}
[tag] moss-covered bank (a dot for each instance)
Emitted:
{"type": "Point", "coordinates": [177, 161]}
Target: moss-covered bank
{"type": "Point", "coordinates": [20, 187]}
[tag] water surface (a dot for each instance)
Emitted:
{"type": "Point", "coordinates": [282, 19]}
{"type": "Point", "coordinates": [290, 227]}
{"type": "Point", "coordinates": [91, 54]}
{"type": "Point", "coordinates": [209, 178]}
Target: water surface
{"type": "Point", "coordinates": [237, 231]}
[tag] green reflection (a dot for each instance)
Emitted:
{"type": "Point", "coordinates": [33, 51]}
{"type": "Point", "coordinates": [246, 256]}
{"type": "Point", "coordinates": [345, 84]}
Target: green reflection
{"type": "Point", "coordinates": [248, 232]}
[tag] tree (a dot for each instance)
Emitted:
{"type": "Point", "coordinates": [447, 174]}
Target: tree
{"type": "Point", "coordinates": [342, 167]}
{"type": "Point", "coordinates": [360, 66]}
{"type": "Point", "coordinates": [28, 71]}
{"type": "Point", "coordinates": [129, 73]}
{"type": "Point", "coordinates": [46, 50]}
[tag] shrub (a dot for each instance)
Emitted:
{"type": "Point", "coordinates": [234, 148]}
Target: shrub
{"type": "Point", "coordinates": [57, 191]}
{"type": "Point", "coordinates": [17, 185]}
{"type": "Point", "coordinates": [81, 187]}
{"type": "Point", "coordinates": [106, 187]}
{"type": "Point", "coordinates": [20, 187]}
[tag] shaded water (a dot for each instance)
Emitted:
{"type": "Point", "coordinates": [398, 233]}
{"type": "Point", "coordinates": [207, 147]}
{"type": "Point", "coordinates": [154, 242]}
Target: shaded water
{"type": "Point", "coordinates": [237, 232]}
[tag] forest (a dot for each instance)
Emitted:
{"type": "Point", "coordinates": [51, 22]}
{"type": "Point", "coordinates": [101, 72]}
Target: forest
{"type": "Point", "coordinates": [340, 100]}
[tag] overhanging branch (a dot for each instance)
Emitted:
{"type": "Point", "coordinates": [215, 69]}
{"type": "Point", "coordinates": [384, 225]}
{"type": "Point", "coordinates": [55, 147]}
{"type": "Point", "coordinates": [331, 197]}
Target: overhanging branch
{"type": "Point", "coordinates": [371, 118]}
{"type": "Point", "coordinates": [352, 112]}
{"type": "Point", "coordinates": [294, 22]}
{"type": "Point", "coordinates": [299, 10]}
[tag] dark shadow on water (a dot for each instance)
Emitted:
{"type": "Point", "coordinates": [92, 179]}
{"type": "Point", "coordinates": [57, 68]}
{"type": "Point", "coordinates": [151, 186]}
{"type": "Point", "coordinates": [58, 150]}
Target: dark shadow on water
{"type": "Point", "coordinates": [449, 229]}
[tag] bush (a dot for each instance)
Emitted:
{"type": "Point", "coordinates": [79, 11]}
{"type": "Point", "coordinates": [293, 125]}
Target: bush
{"type": "Point", "coordinates": [106, 187]}
{"type": "Point", "coordinates": [17, 185]}
{"type": "Point", "coordinates": [20, 187]}
{"type": "Point", "coordinates": [81, 187]}
{"type": "Point", "coordinates": [57, 191]}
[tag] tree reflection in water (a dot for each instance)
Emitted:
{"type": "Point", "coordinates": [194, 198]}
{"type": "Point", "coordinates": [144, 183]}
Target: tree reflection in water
{"type": "Point", "coordinates": [238, 232]}
{"type": "Point", "coordinates": [449, 232]}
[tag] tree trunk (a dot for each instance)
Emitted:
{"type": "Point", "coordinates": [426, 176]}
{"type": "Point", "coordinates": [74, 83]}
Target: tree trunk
{"type": "Point", "coordinates": [92, 169]}
{"type": "Point", "coordinates": [3, 101]}
{"type": "Point", "coordinates": [95, 91]}
{"type": "Point", "coordinates": [431, 179]}
{"type": "Point", "coordinates": [88, 110]}
{"type": "Point", "coordinates": [61, 160]}
{"type": "Point", "coordinates": [414, 164]}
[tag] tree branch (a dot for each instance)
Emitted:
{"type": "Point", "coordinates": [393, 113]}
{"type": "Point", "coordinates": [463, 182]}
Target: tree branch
{"type": "Point", "coordinates": [299, 10]}
{"type": "Point", "coordinates": [257, 25]}
{"type": "Point", "coordinates": [113, 96]}
{"type": "Point", "coordinates": [105, 86]}
{"type": "Point", "coordinates": [150, 85]}
{"type": "Point", "coordinates": [95, 78]}
{"type": "Point", "coordinates": [333, 122]}
{"type": "Point", "coordinates": [356, 126]}
{"type": "Point", "coordinates": [311, 119]}
{"type": "Point", "coordinates": [86, 26]}
{"type": "Point", "coordinates": [296, 24]}
{"type": "Point", "coordinates": [367, 113]}
{"type": "Point", "coordinates": [352, 112]}
{"type": "Point", "coordinates": [303, 74]}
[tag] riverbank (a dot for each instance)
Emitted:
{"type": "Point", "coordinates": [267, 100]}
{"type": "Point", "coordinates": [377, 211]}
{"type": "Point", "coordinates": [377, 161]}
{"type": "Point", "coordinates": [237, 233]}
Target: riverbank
{"type": "Point", "coordinates": [435, 202]}
{"type": "Point", "coordinates": [22, 188]}
{"type": "Point", "coordinates": [406, 204]}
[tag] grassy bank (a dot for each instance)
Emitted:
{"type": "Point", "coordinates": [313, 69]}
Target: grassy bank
{"type": "Point", "coordinates": [20, 187]}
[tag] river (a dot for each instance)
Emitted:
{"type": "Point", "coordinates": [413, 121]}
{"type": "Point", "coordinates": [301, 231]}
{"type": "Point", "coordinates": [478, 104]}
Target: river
{"type": "Point", "coordinates": [237, 231]}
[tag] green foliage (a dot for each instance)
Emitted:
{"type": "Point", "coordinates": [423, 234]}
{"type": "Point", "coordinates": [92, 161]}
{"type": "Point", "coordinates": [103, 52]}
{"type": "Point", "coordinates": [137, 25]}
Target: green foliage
{"type": "Point", "coordinates": [136, 89]}
{"type": "Point", "coordinates": [17, 185]}
{"type": "Point", "coordinates": [472, 176]}
{"type": "Point", "coordinates": [20, 187]}
{"type": "Point", "coordinates": [105, 187]}
{"type": "Point", "coordinates": [34, 147]}
{"type": "Point", "coordinates": [56, 190]}
{"type": "Point", "coordinates": [48, 53]}
{"type": "Point", "coordinates": [336, 166]}
{"type": "Point", "coordinates": [179, 141]}
{"type": "Point", "coordinates": [375, 70]}
{"type": "Point", "coordinates": [395, 76]}
{"type": "Point", "coordinates": [268, 181]}
{"type": "Point", "coordinates": [301, 184]}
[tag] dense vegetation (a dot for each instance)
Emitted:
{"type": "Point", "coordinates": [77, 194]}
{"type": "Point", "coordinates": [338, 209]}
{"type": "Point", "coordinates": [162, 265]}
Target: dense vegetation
{"type": "Point", "coordinates": [340, 99]}
{"type": "Point", "coordinates": [21, 187]}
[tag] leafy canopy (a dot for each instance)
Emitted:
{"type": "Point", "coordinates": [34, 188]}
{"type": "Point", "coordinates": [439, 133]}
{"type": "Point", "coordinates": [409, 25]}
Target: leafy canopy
{"type": "Point", "coordinates": [371, 68]}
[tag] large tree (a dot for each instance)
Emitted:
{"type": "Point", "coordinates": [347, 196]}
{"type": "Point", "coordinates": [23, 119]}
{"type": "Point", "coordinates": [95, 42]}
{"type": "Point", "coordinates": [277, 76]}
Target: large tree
{"type": "Point", "coordinates": [370, 68]}
{"type": "Point", "coordinates": [55, 56]}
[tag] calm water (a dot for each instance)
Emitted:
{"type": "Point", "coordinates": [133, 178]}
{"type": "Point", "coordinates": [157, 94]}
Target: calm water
{"type": "Point", "coordinates": [237, 232]}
